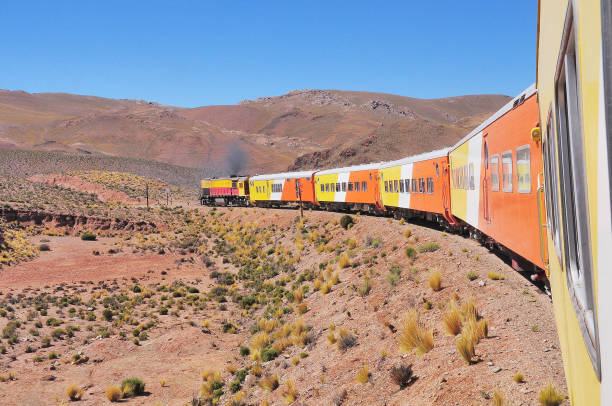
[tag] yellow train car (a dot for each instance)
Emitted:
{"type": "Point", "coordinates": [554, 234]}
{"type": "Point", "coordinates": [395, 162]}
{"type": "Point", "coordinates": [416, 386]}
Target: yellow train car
{"type": "Point", "coordinates": [574, 78]}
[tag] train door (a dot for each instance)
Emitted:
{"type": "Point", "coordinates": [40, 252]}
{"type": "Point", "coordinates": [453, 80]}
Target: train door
{"type": "Point", "coordinates": [485, 182]}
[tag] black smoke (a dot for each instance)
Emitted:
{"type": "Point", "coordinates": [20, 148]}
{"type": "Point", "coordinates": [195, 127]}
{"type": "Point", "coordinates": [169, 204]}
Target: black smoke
{"type": "Point", "coordinates": [236, 160]}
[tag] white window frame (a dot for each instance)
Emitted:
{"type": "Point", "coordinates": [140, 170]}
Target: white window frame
{"type": "Point", "coordinates": [518, 162]}
{"type": "Point", "coordinates": [508, 188]}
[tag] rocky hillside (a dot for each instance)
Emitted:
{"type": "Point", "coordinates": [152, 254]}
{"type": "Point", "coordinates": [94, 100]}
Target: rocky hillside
{"type": "Point", "coordinates": [305, 128]}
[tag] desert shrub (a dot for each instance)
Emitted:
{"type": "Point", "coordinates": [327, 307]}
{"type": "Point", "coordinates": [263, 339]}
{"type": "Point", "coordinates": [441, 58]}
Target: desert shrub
{"type": "Point", "coordinates": [268, 354]}
{"type": "Point", "coordinates": [245, 351]}
{"type": "Point", "coordinates": [74, 393]}
{"type": "Point", "coordinates": [113, 393]}
{"type": "Point", "coordinates": [132, 387]}
{"type": "Point", "coordinates": [44, 247]}
{"type": "Point", "coordinates": [365, 287]}
{"type": "Point", "coordinates": [269, 383]}
{"type": "Point", "coordinates": [434, 280]}
{"type": "Point", "coordinates": [87, 236]}
{"type": "Point", "coordinates": [429, 247]}
{"type": "Point", "coordinates": [107, 314]}
{"type": "Point", "coordinates": [401, 375]}
{"type": "Point", "coordinates": [414, 336]}
{"type": "Point", "coordinates": [363, 375]}
{"type": "Point", "coordinates": [550, 396]}
{"type": "Point", "coordinates": [410, 252]}
{"type": "Point", "coordinates": [344, 261]}
{"type": "Point", "coordinates": [494, 276]}
{"type": "Point", "coordinates": [471, 275]}
{"type": "Point", "coordinates": [346, 221]}
{"type": "Point", "coordinates": [518, 378]}
{"type": "Point", "coordinates": [347, 340]}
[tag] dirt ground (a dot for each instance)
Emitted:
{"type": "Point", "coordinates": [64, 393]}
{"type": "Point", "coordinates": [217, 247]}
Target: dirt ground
{"type": "Point", "coordinates": [190, 339]}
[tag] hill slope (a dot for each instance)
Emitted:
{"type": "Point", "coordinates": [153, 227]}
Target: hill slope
{"type": "Point", "coordinates": [306, 128]}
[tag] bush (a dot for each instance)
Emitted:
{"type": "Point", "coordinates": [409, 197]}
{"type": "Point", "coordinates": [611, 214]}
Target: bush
{"type": "Point", "coordinates": [132, 387]}
{"type": "Point", "coordinates": [434, 280]}
{"type": "Point", "coordinates": [346, 221]}
{"type": "Point", "coordinates": [44, 247]}
{"type": "Point", "coordinates": [401, 375]}
{"type": "Point", "coordinates": [113, 394]}
{"type": "Point", "coordinates": [74, 393]}
{"type": "Point", "coordinates": [107, 314]}
{"type": "Point", "coordinates": [414, 335]}
{"type": "Point", "coordinates": [88, 237]}
{"type": "Point", "coordinates": [245, 351]}
{"type": "Point", "coordinates": [410, 252]}
{"type": "Point", "coordinates": [471, 275]}
{"type": "Point", "coordinates": [269, 383]}
{"type": "Point", "coordinates": [429, 247]}
{"type": "Point", "coordinates": [363, 375]}
{"type": "Point", "coordinates": [268, 354]}
{"type": "Point", "coordinates": [347, 340]}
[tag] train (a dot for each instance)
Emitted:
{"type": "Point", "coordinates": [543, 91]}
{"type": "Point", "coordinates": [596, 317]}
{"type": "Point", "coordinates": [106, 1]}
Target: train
{"type": "Point", "coordinates": [533, 181]}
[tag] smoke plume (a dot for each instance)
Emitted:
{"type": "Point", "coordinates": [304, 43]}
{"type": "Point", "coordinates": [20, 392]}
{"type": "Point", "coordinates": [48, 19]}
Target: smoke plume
{"type": "Point", "coordinates": [236, 160]}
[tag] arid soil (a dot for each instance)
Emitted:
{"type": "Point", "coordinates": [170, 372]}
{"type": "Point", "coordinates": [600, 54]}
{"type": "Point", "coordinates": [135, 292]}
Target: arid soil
{"type": "Point", "coordinates": [167, 306]}
{"type": "Point", "coordinates": [72, 182]}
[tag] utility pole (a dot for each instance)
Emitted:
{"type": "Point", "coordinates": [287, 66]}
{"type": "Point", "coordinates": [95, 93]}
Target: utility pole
{"type": "Point", "coordinates": [298, 191]}
{"type": "Point", "coordinates": [147, 193]}
{"type": "Point", "coordinates": [167, 196]}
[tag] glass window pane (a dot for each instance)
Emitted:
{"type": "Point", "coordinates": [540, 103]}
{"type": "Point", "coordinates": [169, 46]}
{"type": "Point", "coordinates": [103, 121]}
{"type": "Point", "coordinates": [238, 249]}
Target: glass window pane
{"type": "Point", "coordinates": [523, 169]}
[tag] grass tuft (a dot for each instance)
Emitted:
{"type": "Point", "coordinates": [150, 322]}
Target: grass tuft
{"type": "Point", "coordinates": [363, 375]}
{"type": "Point", "coordinates": [415, 336]}
{"type": "Point", "coordinates": [550, 396]}
{"type": "Point", "coordinates": [113, 393]}
{"type": "Point", "coordinates": [434, 280]}
{"type": "Point", "coordinates": [74, 393]}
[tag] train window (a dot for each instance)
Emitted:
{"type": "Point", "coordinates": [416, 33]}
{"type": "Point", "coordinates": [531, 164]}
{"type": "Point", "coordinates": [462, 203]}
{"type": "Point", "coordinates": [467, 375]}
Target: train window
{"type": "Point", "coordinates": [332, 187]}
{"type": "Point", "coordinates": [350, 186]}
{"type": "Point", "coordinates": [494, 169]}
{"type": "Point", "coordinates": [486, 154]}
{"type": "Point", "coordinates": [337, 187]}
{"type": "Point", "coordinates": [437, 171]}
{"type": "Point", "coordinates": [415, 188]}
{"type": "Point", "coordinates": [407, 181]}
{"type": "Point", "coordinates": [401, 185]}
{"type": "Point", "coordinates": [523, 169]}
{"type": "Point", "coordinates": [322, 187]}
{"type": "Point", "coordinates": [574, 193]}
{"type": "Point", "coordinates": [430, 185]}
{"type": "Point", "coordinates": [356, 186]}
{"type": "Point", "coordinates": [327, 187]}
{"type": "Point", "coordinates": [507, 171]}
{"type": "Point", "coordinates": [551, 184]}
{"type": "Point", "coordinates": [364, 186]}
{"type": "Point", "coordinates": [386, 187]}
{"type": "Point", "coordinates": [395, 186]}
{"type": "Point", "coordinates": [344, 186]}
{"type": "Point", "coordinates": [472, 183]}
{"type": "Point", "coordinates": [421, 185]}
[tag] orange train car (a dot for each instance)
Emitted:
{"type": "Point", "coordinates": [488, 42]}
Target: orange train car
{"type": "Point", "coordinates": [495, 176]}
{"type": "Point", "coordinates": [283, 188]}
{"type": "Point", "coordinates": [353, 187]}
{"type": "Point", "coordinates": [418, 186]}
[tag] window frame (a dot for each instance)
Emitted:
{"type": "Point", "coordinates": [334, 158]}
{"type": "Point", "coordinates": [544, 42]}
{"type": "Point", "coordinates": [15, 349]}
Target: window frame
{"type": "Point", "coordinates": [401, 185]}
{"type": "Point", "coordinates": [422, 185]}
{"type": "Point", "coordinates": [364, 186]}
{"type": "Point", "coordinates": [430, 186]}
{"type": "Point", "coordinates": [493, 187]}
{"type": "Point", "coordinates": [407, 185]}
{"type": "Point", "coordinates": [510, 176]}
{"type": "Point", "coordinates": [357, 187]}
{"type": "Point", "coordinates": [518, 183]}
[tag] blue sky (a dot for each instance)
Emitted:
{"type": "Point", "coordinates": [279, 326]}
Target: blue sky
{"type": "Point", "coordinates": [194, 53]}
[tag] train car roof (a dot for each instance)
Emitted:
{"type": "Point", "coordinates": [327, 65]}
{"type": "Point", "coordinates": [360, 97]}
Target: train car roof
{"type": "Point", "coordinates": [506, 108]}
{"type": "Point", "coordinates": [354, 168]}
{"type": "Point", "coordinates": [238, 178]}
{"type": "Point", "coordinates": [439, 153]}
{"type": "Point", "coordinates": [284, 175]}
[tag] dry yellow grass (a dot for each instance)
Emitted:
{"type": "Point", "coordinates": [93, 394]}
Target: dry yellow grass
{"type": "Point", "coordinates": [465, 347]}
{"type": "Point", "coordinates": [289, 393]}
{"type": "Point", "coordinates": [452, 320]}
{"type": "Point", "coordinates": [363, 375]}
{"type": "Point", "coordinates": [113, 393]}
{"type": "Point", "coordinates": [74, 393]}
{"type": "Point", "coordinates": [550, 396]}
{"type": "Point", "coordinates": [519, 378]}
{"type": "Point", "coordinates": [434, 280]}
{"type": "Point", "coordinates": [498, 399]}
{"type": "Point", "coordinates": [344, 261]}
{"type": "Point", "coordinates": [352, 243]}
{"type": "Point", "coordinates": [260, 341]}
{"type": "Point", "coordinates": [257, 369]}
{"type": "Point", "coordinates": [414, 336]}
{"type": "Point", "coordinates": [407, 233]}
{"type": "Point", "coordinates": [269, 382]}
